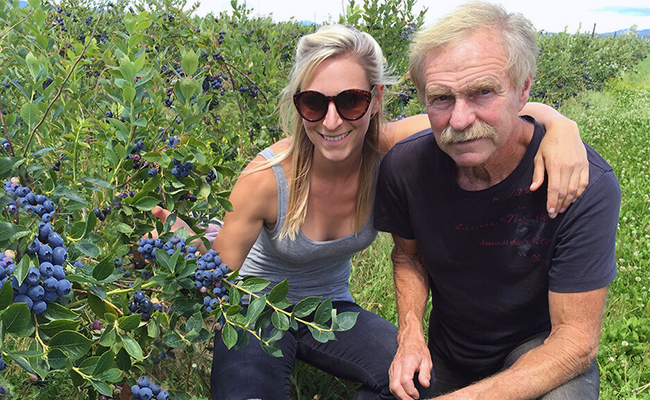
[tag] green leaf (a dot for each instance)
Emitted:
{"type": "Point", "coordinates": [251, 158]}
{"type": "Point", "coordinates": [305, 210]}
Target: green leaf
{"type": "Point", "coordinates": [123, 360]}
{"type": "Point", "coordinates": [97, 305]}
{"type": "Point", "coordinates": [187, 87]}
{"type": "Point", "coordinates": [108, 337]}
{"type": "Point", "coordinates": [321, 336]}
{"type": "Point", "coordinates": [324, 312]}
{"type": "Point", "coordinates": [255, 308]}
{"type": "Point", "coordinates": [102, 387]}
{"type": "Point", "coordinates": [34, 3]}
{"type": "Point", "coordinates": [174, 340]}
{"type": "Point", "coordinates": [57, 311]}
{"type": "Point", "coordinates": [189, 63]}
{"type": "Point", "coordinates": [132, 347]}
{"type": "Point", "coordinates": [22, 269]}
{"type": "Point", "coordinates": [272, 349]}
{"type": "Point", "coordinates": [146, 203]}
{"type": "Point", "coordinates": [105, 268]}
{"type": "Point", "coordinates": [59, 325]}
{"type": "Point", "coordinates": [253, 284]}
{"type": "Point", "coordinates": [16, 318]}
{"type": "Point", "coordinates": [346, 320]}
{"type": "Point", "coordinates": [129, 322]}
{"type": "Point", "coordinates": [87, 248]}
{"type": "Point", "coordinates": [128, 94]}
{"type": "Point", "coordinates": [77, 231]}
{"type": "Point", "coordinates": [11, 232]}
{"type": "Point", "coordinates": [29, 114]}
{"type": "Point", "coordinates": [279, 292]}
{"type": "Point", "coordinates": [280, 321]}
{"type": "Point", "coordinates": [74, 344]}
{"type": "Point", "coordinates": [105, 362]}
{"type": "Point", "coordinates": [123, 228]}
{"type": "Point", "coordinates": [33, 65]}
{"type": "Point", "coordinates": [306, 306]}
{"type": "Point", "coordinates": [229, 335]}
{"type": "Point", "coordinates": [128, 70]}
{"type": "Point", "coordinates": [57, 358]}
{"type": "Point", "coordinates": [6, 296]}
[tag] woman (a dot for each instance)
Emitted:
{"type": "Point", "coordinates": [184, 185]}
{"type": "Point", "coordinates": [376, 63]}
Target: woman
{"type": "Point", "coordinates": [303, 207]}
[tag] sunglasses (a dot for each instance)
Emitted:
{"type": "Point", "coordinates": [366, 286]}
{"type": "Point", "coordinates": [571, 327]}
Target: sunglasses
{"type": "Point", "coordinates": [351, 104]}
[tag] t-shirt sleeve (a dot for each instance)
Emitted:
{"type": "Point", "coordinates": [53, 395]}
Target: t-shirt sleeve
{"type": "Point", "coordinates": [391, 213]}
{"type": "Point", "coordinates": [585, 256]}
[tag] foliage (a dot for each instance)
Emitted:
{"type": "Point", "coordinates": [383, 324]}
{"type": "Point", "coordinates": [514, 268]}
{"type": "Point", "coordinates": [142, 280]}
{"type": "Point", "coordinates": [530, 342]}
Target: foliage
{"type": "Point", "coordinates": [572, 63]}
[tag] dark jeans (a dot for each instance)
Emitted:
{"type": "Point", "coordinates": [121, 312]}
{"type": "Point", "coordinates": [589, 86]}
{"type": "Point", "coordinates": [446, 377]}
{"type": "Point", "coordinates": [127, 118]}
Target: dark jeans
{"type": "Point", "coordinates": [582, 387]}
{"type": "Point", "coordinates": [362, 354]}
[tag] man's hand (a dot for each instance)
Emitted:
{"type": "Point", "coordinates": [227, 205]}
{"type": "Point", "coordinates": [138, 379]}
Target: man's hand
{"type": "Point", "coordinates": [410, 358]}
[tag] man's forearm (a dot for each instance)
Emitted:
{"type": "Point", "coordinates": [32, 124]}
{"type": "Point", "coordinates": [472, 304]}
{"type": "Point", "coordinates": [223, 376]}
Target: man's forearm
{"type": "Point", "coordinates": [411, 291]}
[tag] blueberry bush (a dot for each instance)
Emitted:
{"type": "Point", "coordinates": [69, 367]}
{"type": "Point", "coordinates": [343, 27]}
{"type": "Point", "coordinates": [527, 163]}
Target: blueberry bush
{"type": "Point", "coordinates": [110, 108]}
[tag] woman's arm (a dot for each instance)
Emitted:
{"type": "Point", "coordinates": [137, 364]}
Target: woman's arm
{"type": "Point", "coordinates": [562, 154]}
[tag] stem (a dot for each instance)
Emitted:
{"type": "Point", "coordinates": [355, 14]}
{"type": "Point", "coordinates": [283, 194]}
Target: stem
{"type": "Point", "coordinates": [38, 337]}
{"type": "Point", "coordinates": [17, 23]}
{"type": "Point", "coordinates": [58, 94]}
{"type": "Point", "coordinates": [288, 314]}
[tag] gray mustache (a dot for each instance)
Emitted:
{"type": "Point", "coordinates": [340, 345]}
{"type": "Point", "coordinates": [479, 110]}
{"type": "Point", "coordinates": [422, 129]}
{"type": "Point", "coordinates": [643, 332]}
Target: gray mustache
{"type": "Point", "coordinates": [477, 130]}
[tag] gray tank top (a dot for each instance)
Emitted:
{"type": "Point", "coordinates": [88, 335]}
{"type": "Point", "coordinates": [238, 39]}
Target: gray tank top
{"type": "Point", "coordinates": [312, 268]}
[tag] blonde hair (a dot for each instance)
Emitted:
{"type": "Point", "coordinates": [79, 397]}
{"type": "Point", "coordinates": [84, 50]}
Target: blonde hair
{"type": "Point", "coordinates": [328, 42]}
{"type": "Point", "coordinates": [518, 37]}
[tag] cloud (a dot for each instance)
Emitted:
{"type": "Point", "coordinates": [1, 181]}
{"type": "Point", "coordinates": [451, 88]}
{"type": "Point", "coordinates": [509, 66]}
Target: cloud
{"type": "Point", "coordinates": [630, 11]}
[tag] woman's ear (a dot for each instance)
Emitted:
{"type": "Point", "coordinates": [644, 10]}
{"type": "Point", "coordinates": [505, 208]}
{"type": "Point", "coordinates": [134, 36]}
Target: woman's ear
{"type": "Point", "coordinates": [377, 100]}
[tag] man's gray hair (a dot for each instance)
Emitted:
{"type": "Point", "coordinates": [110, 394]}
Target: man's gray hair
{"type": "Point", "coordinates": [518, 37]}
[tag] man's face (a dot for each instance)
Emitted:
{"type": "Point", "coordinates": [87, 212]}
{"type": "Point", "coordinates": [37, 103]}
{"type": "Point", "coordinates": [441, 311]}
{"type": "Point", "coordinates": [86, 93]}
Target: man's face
{"type": "Point", "coordinates": [470, 99]}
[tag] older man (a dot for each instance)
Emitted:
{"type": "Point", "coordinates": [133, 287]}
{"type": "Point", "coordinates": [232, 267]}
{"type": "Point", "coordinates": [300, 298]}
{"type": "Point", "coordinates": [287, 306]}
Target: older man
{"type": "Point", "coordinates": [517, 298]}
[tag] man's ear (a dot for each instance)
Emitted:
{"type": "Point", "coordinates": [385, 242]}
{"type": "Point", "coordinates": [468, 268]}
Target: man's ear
{"type": "Point", "coordinates": [525, 91]}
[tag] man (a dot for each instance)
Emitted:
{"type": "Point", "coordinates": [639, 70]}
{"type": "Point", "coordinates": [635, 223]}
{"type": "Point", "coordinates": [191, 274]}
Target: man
{"type": "Point", "coordinates": [517, 297]}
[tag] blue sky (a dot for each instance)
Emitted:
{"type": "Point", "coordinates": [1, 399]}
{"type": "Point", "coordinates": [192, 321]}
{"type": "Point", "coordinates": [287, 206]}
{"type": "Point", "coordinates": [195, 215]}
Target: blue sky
{"type": "Point", "coordinates": [549, 15]}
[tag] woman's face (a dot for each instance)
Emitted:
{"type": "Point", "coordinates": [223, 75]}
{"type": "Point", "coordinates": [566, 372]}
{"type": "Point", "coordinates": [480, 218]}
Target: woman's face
{"type": "Point", "coordinates": [334, 138]}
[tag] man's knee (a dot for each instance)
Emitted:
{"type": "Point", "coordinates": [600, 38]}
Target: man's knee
{"type": "Point", "coordinates": [582, 387]}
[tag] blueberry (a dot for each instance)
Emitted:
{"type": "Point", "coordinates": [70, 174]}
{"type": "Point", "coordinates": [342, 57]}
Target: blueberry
{"type": "Point", "coordinates": [50, 284]}
{"type": "Point", "coordinates": [33, 276]}
{"type": "Point", "coordinates": [45, 253]}
{"type": "Point", "coordinates": [59, 255]}
{"type": "Point", "coordinates": [36, 292]}
{"type": "Point", "coordinates": [64, 287]}
{"type": "Point", "coordinates": [39, 307]}
{"type": "Point", "coordinates": [58, 272]}
{"type": "Point", "coordinates": [152, 172]}
{"type": "Point", "coordinates": [21, 298]}
{"type": "Point", "coordinates": [46, 269]}
{"type": "Point", "coordinates": [55, 240]}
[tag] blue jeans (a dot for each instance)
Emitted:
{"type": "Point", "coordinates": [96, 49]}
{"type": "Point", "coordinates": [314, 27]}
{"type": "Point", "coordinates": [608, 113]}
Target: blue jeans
{"type": "Point", "coordinates": [582, 387]}
{"type": "Point", "coordinates": [362, 354]}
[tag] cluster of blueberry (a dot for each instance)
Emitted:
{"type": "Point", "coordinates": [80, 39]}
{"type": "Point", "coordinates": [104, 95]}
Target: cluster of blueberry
{"type": "Point", "coordinates": [2, 367]}
{"type": "Point", "coordinates": [215, 82]}
{"type": "Point", "coordinates": [101, 214]}
{"type": "Point", "coordinates": [181, 169]}
{"type": "Point", "coordinates": [46, 283]}
{"type": "Point", "coordinates": [147, 390]}
{"type": "Point", "coordinates": [173, 142]}
{"type": "Point", "coordinates": [33, 203]}
{"type": "Point", "coordinates": [148, 248]}
{"type": "Point", "coordinates": [217, 55]}
{"type": "Point", "coordinates": [142, 305]}
{"type": "Point", "coordinates": [252, 90]}
{"type": "Point", "coordinates": [211, 176]}
{"type": "Point", "coordinates": [210, 272]}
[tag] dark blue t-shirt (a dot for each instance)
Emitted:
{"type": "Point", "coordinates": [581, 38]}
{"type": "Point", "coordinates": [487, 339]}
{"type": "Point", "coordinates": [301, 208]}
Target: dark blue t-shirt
{"type": "Point", "coordinates": [493, 254]}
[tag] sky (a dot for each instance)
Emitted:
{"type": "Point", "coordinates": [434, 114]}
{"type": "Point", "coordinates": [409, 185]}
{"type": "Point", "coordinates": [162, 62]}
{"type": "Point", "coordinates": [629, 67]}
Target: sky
{"type": "Point", "coordinates": [547, 15]}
